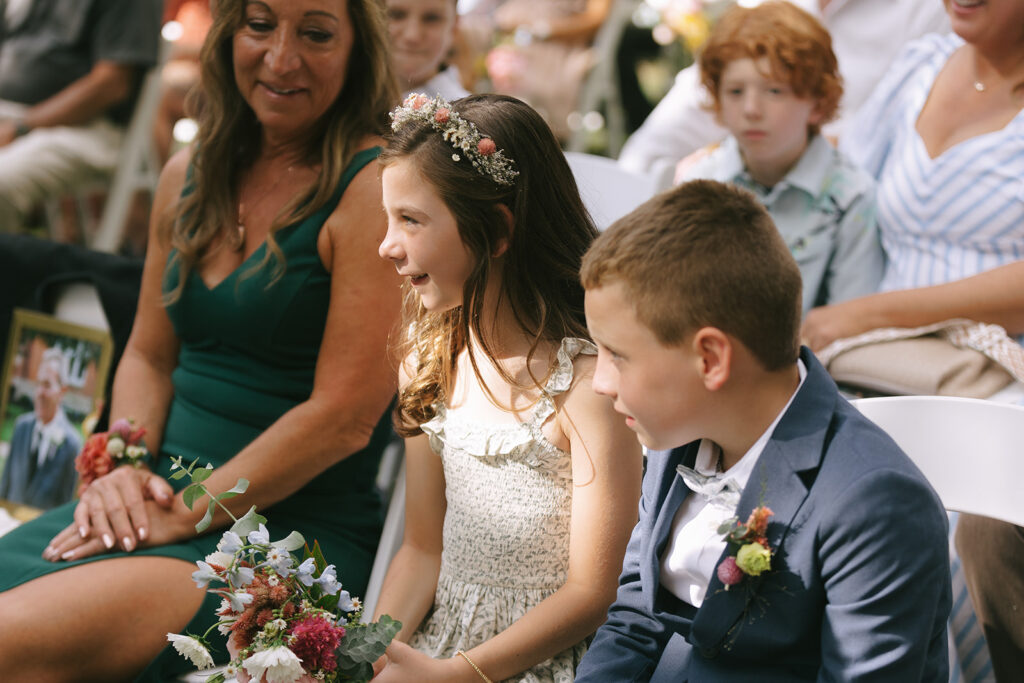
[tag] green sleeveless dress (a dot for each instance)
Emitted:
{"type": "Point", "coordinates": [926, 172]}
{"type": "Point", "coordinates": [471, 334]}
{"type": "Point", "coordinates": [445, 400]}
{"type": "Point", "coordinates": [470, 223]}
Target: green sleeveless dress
{"type": "Point", "coordinates": [248, 353]}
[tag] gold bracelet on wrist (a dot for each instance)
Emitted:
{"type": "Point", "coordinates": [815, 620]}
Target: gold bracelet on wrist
{"type": "Point", "coordinates": [476, 668]}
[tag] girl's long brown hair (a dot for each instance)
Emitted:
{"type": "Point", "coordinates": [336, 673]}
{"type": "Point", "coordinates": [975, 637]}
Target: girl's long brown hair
{"type": "Point", "coordinates": [550, 232]}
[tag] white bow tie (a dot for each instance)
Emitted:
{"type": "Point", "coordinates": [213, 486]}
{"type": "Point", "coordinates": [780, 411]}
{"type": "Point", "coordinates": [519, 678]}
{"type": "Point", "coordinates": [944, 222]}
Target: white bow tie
{"type": "Point", "coordinates": [717, 489]}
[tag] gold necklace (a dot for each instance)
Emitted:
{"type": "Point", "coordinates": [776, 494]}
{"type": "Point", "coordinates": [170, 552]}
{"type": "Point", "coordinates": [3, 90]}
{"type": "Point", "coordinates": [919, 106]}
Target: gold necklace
{"type": "Point", "coordinates": [240, 223]}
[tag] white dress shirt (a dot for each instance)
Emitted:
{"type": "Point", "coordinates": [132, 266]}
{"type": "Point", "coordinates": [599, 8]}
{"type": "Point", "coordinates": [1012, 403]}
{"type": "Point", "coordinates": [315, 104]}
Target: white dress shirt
{"type": "Point", "coordinates": [695, 545]}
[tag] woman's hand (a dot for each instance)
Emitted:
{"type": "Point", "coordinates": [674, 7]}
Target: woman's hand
{"type": "Point", "coordinates": [403, 663]}
{"type": "Point", "coordinates": [112, 512]}
{"type": "Point", "coordinates": [825, 324]}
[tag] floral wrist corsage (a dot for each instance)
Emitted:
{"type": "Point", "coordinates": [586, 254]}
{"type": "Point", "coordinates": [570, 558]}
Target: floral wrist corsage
{"type": "Point", "coordinates": [749, 552]}
{"type": "Point", "coordinates": [104, 451]}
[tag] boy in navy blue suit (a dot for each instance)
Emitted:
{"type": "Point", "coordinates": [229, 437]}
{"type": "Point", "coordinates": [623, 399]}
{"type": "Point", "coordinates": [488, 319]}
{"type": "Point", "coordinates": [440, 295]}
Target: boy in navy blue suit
{"type": "Point", "coordinates": [789, 539]}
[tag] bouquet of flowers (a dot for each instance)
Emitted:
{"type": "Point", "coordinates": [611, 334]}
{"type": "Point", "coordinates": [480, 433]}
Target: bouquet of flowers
{"type": "Point", "coordinates": [104, 451]}
{"type": "Point", "coordinates": [286, 620]}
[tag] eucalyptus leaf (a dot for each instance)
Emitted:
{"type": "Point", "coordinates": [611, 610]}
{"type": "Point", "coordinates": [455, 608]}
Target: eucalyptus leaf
{"type": "Point", "coordinates": [250, 521]}
{"type": "Point", "coordinates": [191, 493]}
{"type": "Point", "coordinates": [202, 474]}
{"type": "Point", "coordinates": [239, 487]}
{"type": "Point", "coordinates": [293, 541]}
{"type": "Point", "coordinates": [204, 523]}
{"type": "Point", "coordinates": [362, 645]}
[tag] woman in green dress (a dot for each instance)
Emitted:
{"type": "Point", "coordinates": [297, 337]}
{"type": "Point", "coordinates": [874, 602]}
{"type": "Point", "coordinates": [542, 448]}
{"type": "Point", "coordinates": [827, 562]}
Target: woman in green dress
{"type": "Point", "coordinates": [259, 346]}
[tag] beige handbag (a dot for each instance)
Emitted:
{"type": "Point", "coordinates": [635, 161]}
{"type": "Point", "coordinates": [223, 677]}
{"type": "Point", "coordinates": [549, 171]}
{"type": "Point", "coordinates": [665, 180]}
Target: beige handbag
{"type": "Point", "coordinates": [952, 358]}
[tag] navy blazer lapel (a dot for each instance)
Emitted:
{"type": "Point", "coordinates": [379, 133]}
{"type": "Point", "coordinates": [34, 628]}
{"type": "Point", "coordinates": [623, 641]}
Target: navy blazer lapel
{"type": "Point", "coordinates": [672, 493]}
{"type": "Point", "coordinates": [778, 481]}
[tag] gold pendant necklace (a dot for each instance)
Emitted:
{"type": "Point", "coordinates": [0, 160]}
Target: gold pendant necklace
{"type": "Point", "coordinates": [242, 215]}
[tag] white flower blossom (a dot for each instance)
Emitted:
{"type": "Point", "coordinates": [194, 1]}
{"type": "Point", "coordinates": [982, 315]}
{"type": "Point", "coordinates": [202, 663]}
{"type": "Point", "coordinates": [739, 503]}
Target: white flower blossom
{"type": "Point", "coordinates": [229, 543]}
{"type": "Point", "coordinates": [220, 559]}
{"type": "Point", "coordinates": [259, 537]}
{"type": "Point", "coordinates": [278, 664]}
{"type": "Point", "coordinates": [115, 447]}
{"type": "Point", "coordinates": [191, 649]}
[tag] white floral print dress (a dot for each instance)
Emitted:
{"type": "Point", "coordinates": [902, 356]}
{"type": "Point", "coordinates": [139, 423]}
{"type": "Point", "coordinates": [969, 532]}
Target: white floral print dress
{"type": "Point", "coordinates": [506, 529]}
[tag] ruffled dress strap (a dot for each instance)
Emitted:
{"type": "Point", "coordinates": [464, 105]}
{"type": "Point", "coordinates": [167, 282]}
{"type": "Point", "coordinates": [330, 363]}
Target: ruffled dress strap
{"type": "Point", "coordinates": [561, 376]}
{"type": "Point", "coordinates": [524, 441]}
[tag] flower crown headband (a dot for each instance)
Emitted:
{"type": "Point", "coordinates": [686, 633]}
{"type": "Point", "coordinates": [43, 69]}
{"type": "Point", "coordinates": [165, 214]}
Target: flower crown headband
{"type": "Point", "coordinates": [463, 135]}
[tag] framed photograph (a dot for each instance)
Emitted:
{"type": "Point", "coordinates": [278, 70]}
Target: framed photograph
{"type": "Point", "coordinates": [54, 375]}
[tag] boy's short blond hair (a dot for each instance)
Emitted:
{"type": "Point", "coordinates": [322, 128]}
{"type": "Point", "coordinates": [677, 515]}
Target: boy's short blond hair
{"type": "Point", "coordinates": [704, 254]}
{"type": "Point", "coordinates": [797, 46]}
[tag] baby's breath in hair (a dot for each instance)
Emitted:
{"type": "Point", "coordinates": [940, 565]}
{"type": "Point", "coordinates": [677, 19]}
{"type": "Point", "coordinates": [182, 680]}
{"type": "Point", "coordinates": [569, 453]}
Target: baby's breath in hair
{"type": "Point", "coordinates": [461, 134]}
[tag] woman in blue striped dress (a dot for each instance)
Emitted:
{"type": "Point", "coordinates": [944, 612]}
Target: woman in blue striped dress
{"type": "Point", "coordinates": [943, 135]}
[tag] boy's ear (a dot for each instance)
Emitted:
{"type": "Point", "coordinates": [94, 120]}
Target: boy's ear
{"type": "Point", "coordinates": [503, 243]}
{"type": "Point", "coordinates": [816, 117]}
{"type": "Point", "coordinates": [714, 350]}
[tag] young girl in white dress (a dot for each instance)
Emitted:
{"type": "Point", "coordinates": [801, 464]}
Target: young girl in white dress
{"type": "Point", "coordinates": [522, 483]}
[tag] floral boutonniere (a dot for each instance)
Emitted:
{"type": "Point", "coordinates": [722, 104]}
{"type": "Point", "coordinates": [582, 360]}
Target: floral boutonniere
{"type": "Point", "coordinates": [749, 552]}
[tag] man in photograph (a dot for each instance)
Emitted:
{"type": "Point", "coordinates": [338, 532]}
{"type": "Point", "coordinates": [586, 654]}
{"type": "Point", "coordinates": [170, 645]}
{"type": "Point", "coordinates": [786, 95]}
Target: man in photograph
{"type": "Point", "coordinates": [40, 469]}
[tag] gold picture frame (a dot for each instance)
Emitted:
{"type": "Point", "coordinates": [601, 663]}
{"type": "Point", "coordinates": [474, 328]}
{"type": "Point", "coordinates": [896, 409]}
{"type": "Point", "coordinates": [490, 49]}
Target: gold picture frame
{"type": "Point", "coordinates": [71, 362]}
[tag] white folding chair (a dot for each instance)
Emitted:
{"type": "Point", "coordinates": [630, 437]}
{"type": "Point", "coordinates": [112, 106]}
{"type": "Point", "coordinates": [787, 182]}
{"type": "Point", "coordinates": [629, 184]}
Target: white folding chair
{"type": "Point", "coordinates": [609, 191]}
{"type": "Point", "coordinates": [970, 450]}
{"type": "Point", "coordinates": [390, 541]}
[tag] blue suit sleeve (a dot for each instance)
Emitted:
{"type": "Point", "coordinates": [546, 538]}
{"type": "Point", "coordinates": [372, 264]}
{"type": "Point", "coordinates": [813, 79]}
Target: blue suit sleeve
{"type": "Point", "coordinates": [887, 582]}
{"type": "Point", "coordinates": [628, 646]}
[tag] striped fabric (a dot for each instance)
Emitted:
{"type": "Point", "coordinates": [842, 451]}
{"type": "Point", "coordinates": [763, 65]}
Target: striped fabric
{"type": "Point", "coordinates": [946, 218]}
{"type": "Point", "coordinates": [941, 219]}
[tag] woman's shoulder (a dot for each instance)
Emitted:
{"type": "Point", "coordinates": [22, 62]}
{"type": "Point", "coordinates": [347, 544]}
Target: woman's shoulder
{"type": "Point", "coordinates": [931, 49]}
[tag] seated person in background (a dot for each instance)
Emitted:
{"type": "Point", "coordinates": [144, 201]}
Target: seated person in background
{"type": "Point", "coordinates": [774, 81]}
{"type": "Point", "coordinates": [549, 54]}
{"type": "Point", "coordinates": [992, 552]}
{"type": "Point", "coordinates": [180, 73]}
{"type": "Point", "coordinates": [422, 32]}
{"type": "Point", "coordinates": [866, 36]}
{"type": "Point", "coordinates": [40, 469]}
{"type": "Point", "coordinates": [844, 574]}
{"type": "Point", "coordinates": [943, 135]}
{"type": "Point", "coordinates": [69, 73]}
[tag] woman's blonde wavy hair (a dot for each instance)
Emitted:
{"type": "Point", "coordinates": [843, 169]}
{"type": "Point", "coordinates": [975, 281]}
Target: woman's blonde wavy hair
{"type": "Point", "coordinates": [549, 234]}
{"type": "Point", "coordinates": [228, 136]}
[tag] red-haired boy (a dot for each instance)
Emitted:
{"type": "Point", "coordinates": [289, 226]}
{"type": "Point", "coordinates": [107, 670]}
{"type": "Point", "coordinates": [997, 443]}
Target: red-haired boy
{"type": "Point", "coordinates": [774, 80]}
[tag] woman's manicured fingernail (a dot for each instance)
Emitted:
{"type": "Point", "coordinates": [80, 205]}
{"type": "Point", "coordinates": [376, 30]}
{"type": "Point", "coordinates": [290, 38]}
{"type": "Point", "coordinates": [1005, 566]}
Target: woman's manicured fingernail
{"type": "Point", "coordinates": [68, 555]}
{"type": "Point", "coordinates": [49, 552]}
{"type": "Point", "coordinates": [108, 541]}
{"type": "Point", "coordinates": [142, 533]}
{"type": "Point", "coordinates": [127, 543]}
{"type": "Point", "coordinates": [82, 532]}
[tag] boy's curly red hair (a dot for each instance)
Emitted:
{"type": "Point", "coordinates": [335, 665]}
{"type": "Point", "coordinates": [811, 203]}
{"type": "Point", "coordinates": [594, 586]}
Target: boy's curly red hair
{"type": "Point", "coordinates": [797, 46]}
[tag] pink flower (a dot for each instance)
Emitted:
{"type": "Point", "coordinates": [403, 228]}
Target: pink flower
{"type": "Point", "coordinates": [314, 640]}
{"type": "Point", "coordinates": [728, 573]}
{"type": "Point", "coordinates": [441, 115]}
{"type": "Point", "coordinates": [486, 147]}
{"type": "Point", "coordinates": [126, 430]}
{"type": "Point", "coordinates": [418, 101]}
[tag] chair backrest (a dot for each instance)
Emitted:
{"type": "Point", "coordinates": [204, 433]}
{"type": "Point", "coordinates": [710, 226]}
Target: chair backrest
{"type": "Point", "coordinates": [608, 190]}
{"type": "Point", "coordinates": [971, 451]}
{"type": "Point", "coordinates": [138, 166]}
{"type": "Point", "coordinates": [390, 541]}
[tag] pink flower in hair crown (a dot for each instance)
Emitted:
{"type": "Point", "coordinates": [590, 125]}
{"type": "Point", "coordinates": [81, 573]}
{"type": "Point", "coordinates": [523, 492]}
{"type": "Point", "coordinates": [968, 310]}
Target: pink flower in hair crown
{"type": "Point", "coordinates": [461, 134]}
